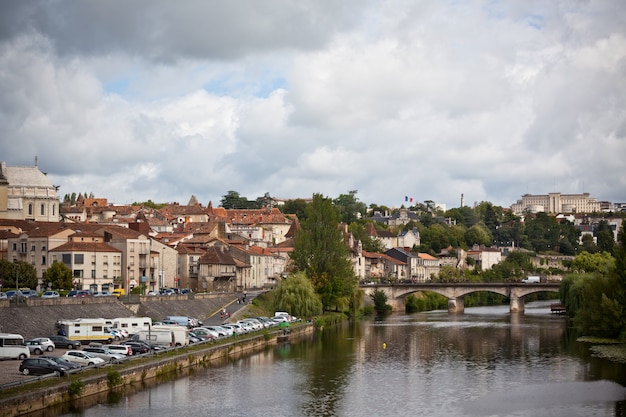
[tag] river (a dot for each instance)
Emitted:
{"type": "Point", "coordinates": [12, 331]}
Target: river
{"type": "Point", "coordinates": [485, 362]}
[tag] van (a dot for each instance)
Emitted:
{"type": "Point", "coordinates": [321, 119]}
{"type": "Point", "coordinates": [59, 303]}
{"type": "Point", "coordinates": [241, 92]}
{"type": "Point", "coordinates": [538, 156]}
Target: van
{"type": "Point", "coordinates": [155, 337]}
{"type": "Point", "coordinates": [531, 280]}
{"type": "Point", "coordinates": [12, 347]}
{"type": "Point", "coordinates": [118, 292]}
{"type": "Point", "coordinates": [132, 324]}
{"type": "Point", "coordinates": [180, 333]}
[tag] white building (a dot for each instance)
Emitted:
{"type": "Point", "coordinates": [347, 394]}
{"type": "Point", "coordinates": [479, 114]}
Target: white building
{"type": "Point", "coordinates": [556, 203]}
{"type": "Point", "coordinates": [26, 193]}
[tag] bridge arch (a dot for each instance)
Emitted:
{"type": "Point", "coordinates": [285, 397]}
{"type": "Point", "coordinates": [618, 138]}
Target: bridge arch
{"type": "Point", "coordinates": [455, 292]}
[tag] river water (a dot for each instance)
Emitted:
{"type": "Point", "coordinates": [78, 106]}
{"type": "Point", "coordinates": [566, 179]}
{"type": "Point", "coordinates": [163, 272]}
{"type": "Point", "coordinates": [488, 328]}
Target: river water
{"type": "Point", "coordinates": [485, 362]}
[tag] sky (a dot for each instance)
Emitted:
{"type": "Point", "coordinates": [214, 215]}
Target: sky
{"type": "Point", "coordinates": [136, 100]}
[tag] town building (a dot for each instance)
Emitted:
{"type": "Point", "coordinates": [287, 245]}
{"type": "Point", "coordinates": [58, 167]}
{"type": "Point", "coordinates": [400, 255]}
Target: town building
{"type": "Point", "coordinates": [26, 193]}
{"type": "Point", "coordinates": [555, 203]}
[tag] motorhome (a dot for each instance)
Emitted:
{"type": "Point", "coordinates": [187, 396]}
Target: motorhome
{"type": "Point", "coordinates": [181, 333]}
{"type": "Point", "coordinates": [86, 330]}
{"type": "Point", "coordinates": [132, 324]}
{"type": "Point", "coordinates": [155, 337]}
{"type": "Point", "coordinates": [12, 347]}
{"type": "Point", "coordinates": [180, 320]}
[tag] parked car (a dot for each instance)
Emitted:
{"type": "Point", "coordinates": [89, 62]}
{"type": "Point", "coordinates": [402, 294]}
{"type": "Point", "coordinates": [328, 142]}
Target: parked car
{"type": "Point", "coordinates": [83, 293]}
{"type": "Point", "coordinates": [121, 349]}
{"type": "Point", "coordinates": [34, 346]}
{"type": "Point", "coordinates": [62, 361]}
{"type": "Point", "coordinates": [50, 294]}
{"type": "Point", "coordinates": [205, 334]}
{"type": "Point", "coordinates": [104, 353]}
{"type": "Point", "coordinates": [72, 293]}
{"type": "Point", "coordinates": [138, 347]}
{"type": "Point", "coordinates": [13, 293]}
{"type": "Point", "coordinates": [29, 293]}
{"type": "Point", "coordinates": [82, 358]}
{"type": "Point", "coordinates": [42, 366]}
{"type": "Point", "coordinates": [3, 295]}
{"type": "Point", "coordinates": [46, 343]}
{"type": "Point", "coordinates": [102, 294]}
{"type": "Point", "coordinates": [65, 342]}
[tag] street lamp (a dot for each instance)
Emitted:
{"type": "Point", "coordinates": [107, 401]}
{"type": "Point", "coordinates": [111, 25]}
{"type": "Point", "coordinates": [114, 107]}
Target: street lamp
{"type": "Point", "coordinates": [128, 284]}
{"type": "Point", "coordinates": [17, 281]}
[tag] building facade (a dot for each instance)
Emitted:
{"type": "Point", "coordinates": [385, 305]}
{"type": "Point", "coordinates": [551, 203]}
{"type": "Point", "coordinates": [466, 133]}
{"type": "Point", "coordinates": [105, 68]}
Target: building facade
{"type": "Point", "coordinates": [556, 203]}
{"type": "Point", "coordinates": [26, 193]}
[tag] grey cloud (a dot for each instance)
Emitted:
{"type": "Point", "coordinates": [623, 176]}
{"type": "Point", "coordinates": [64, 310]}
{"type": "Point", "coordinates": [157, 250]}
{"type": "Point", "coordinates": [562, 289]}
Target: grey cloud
{"type": "Point", "coordinates": [163, 30]}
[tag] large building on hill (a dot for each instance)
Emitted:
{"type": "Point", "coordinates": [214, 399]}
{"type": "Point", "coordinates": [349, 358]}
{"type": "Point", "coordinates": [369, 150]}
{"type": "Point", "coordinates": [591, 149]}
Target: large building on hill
{"type": "Point", "coordinates": [26, 193]}
{"type": "Point", "coordinates": [556, 203]}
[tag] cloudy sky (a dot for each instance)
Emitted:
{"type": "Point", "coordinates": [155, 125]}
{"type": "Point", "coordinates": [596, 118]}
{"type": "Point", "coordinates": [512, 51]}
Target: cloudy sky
{"type": "Point", "coordinates": [156, 99]}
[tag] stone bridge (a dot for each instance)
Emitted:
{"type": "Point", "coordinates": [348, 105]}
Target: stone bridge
{"type": "Point", "coordinates": [455, 292]}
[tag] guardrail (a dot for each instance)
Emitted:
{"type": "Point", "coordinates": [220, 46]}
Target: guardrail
{"type": "Point", "coordinates": [31, 379]}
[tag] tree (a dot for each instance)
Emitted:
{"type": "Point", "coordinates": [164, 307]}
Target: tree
{"type": "Point", "coordinates": [296, 295]}
{"type": "Point", "coordinates": [297, 207]}
{"type": "Point", "coordinates": [350, 208]}
{"type": "Point", "coordinates": [25, 273]}
{"type": "Point", "coordinates": [379, 298]}
{"type": "Point", "coordinates": [59, 276]}
{"type": "Point", "coordinates": [232, 200]}
{"type": "Point", "coordinates": [602, 262]}
{"type": "Point", "coordinates": [605, 237]}
{"type": "Point", "coordinates": [320, 252]}
{"type": "Point", "coordinates": [478, 235]}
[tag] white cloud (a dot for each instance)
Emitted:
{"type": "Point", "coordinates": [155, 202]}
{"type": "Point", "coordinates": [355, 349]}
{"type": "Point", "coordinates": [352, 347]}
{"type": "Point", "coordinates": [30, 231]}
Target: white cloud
{"type": "Point", "coordinates": [428, 99]}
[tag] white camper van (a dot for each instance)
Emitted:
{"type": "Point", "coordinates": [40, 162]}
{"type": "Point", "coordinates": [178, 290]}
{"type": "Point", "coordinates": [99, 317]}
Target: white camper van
{"type": "Point", "coordinates": [132, 324]}
{"type": "Point", "coordinates": [86, 330]}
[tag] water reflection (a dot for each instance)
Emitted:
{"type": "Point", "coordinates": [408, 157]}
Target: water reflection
{"type": "Point", "coordinates": [484, 362]}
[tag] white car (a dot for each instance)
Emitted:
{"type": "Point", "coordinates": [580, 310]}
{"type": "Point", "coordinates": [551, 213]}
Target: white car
{"type": "Point", "coordinates": [50, 294]}
{"type": "Point", "coordinates": [82, 358]}
{"type": "Point", "coordinates": [46, 343]}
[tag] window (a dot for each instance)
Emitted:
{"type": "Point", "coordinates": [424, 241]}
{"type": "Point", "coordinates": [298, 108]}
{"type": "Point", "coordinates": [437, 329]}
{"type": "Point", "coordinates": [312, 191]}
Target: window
{"type": "Point", "coordinates": [30, 209]}
{"type": "Point", "coordinates": [43, 248]}
{"type": "Point", "coordinates": [78, 273]}
{"type": "Point", "coordinates": [43, 259]}
{"type": "Point", "coordinates": [79, 258]}
{"type": "Point", "coordinates": [32, 248]}
{"type": "Point", "coordinates": [42, 209]}
{"type": "Point", "coordinates": [54, 209]}
{"type": "Point", "coordinates": [67, 258]}
{"type": "Point", "coordinates": [105, 274]}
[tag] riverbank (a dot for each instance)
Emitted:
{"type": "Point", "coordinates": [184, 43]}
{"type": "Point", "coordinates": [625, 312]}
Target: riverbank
{"type": "Point", "coordinates": [67, 392]}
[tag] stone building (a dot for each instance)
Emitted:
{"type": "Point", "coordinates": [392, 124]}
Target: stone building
{"type": "Point", "coordinates": [26, 193]}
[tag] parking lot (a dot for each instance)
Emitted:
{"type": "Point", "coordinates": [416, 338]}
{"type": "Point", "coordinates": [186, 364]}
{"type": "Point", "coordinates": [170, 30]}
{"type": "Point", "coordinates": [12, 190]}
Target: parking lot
{"type": "Point", "coordinates": [9, 369]}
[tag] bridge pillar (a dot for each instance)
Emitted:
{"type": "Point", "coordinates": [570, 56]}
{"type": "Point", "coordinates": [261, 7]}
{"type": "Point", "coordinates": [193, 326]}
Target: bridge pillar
{"type": "Point", "coordinates": [456, 305]}
{"type": "Point", "coordinates": [516, 305]}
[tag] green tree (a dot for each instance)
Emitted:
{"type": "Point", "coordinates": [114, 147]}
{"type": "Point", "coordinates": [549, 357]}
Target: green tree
{"type": "Point", "coordinates": [478, 235]}
{"type": "Point", "coordinates": [23, 272]}
{"type": "Point", "coordinates": [349, 207]}
{"type": "Point", "coordinates": [297, 207]}
{"type": "Point", "coordinates": [602, 262]}
{"type": "Point", "coordinates": [379, 298]}
{"type": "Point", "coordinates": [604, 236]}
{"type": "Point", "coordinates": [320, 252]}
{"type": "Point", "coordinates": [59, 276]}
{"type": "Point", "coordinates": [232, 200]}
{"type": "Point", "coordinates": [296, 295]}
